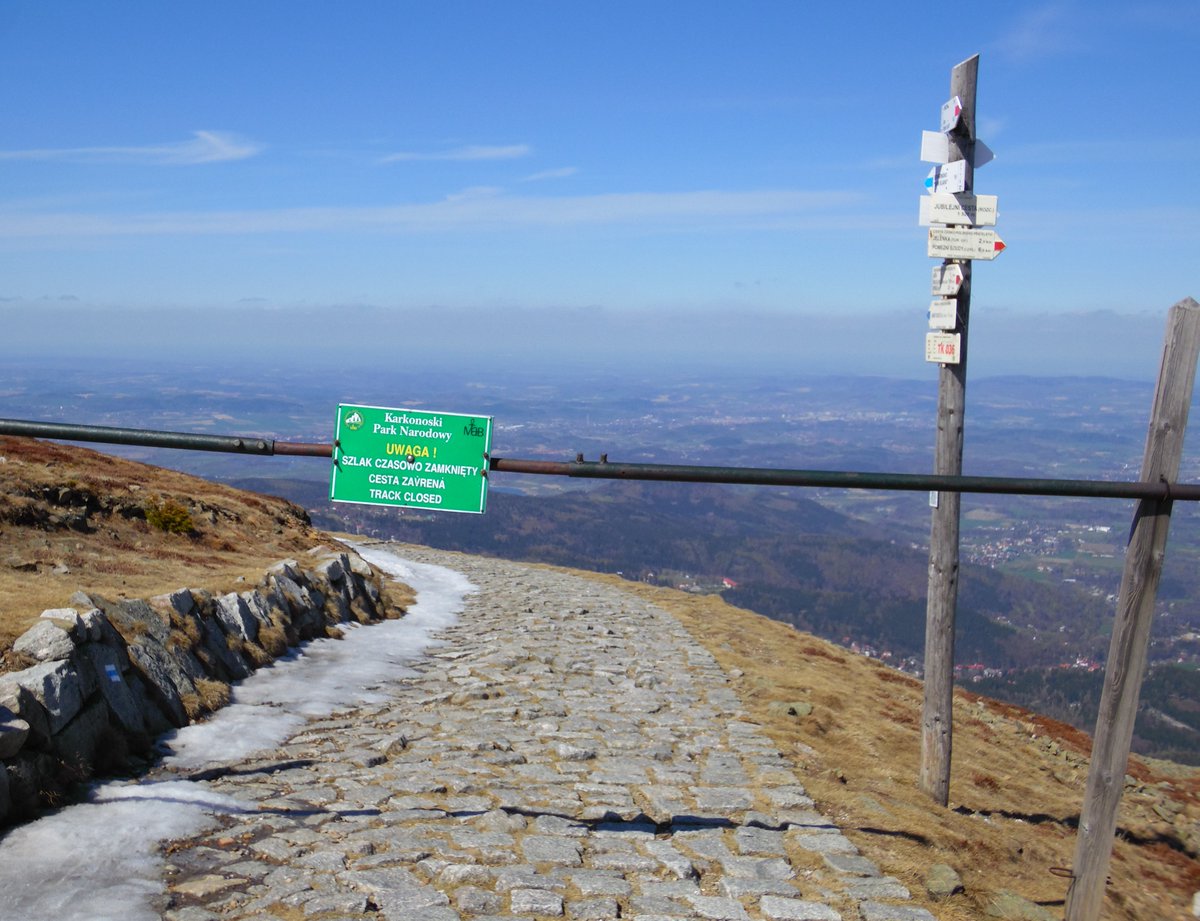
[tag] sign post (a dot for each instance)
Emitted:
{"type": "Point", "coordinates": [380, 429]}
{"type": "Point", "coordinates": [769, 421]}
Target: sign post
{"type": "Point", "coordinates": [949, 349]}
{"type": "Point", "coordinates": [410, 458]}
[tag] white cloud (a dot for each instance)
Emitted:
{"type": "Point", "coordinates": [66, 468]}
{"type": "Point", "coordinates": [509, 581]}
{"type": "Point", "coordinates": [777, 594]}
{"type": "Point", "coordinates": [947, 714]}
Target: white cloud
{"type": "Point", "coordinates": [561, 173]}
{"type": "Point", "coordinates": [468, 153]}
{"type": "Point", "coordinates": [204, 147]}
{"type": "Point", "coordinates": [472, 209]}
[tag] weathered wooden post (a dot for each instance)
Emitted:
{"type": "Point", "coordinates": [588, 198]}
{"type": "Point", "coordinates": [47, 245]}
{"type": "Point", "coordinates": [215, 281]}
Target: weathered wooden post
{"type": "Point", "coordinates": [936, 715]}
{"type": "Point", "coordinates": [1127, 651]}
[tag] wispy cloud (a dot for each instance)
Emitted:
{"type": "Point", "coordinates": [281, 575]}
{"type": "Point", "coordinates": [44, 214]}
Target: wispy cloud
{"type": "Point", "coordinates": [203, 147]}
{"type": "Point", "coordinates": [1042, 32]}
{"type": "Point", "coordinates": [467, 153]}
{"type": "Point", "coordinates": [561, 173]}
{"type": "Point", "coordinates": [471, 210]}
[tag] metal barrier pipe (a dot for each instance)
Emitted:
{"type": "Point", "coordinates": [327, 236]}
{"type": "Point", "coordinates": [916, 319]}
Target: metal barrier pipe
{"type": "Point", "coordinates": [602, 469]}
{"type": "Point", "coordinates": [768, 476]}
{"type": "Point", "coordinates": [104, 434]}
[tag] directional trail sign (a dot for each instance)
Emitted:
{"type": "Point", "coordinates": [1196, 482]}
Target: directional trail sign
{"type": "Point", "coordinates": [411, 459]}
{"type": "Point", "coordinates": [943, 313]}
{"type": "Point", "coordinates": [949, 177]}
{"type": "Point", "coordinates": [962, 243]}
{"type": "Point", "coordinates": [963, 208]}
{"type": "Point", "coordinates": [935, 148]}
{"type": "Point", "coordinates": [947, 279]}
{"type": "Point", "coordinates": [951, 113]}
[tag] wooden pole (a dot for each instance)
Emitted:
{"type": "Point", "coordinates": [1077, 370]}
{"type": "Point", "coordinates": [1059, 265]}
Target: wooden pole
{"type": "Point", "coordinates": [942, 598]}
{"type": "Point", "coordinates": [1127, 651]}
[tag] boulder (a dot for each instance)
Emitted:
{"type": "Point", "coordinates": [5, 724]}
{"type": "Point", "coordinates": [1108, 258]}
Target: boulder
{"type": "Point", "coordinates": [20, 702]}
{"type": "Point", "coordinates": [181, 602]}
{"type": "Point", "coordinates": [13, 733]}
{"type": "Point", "coordinates": [223, 662]}
{"type": "Point", "coordinates": [942, 882]}
{"type": "Point", "coordinates": [45, 641]}
{"type": "Point", "coordinates": [77, 743]}
{"type": "Point", "coordinates": [233, 614]}
{"type": "Point", "coordinates": [165, 678]}
{"type": "Point", "coordinates": [56, 687]}
{"type": "Point", "coordinates": [110, 666]}
{"type": "Point", "coordinates": [136, 620]}
{"type": "Point", "coordinates": [1009, 906]}
{"type": "Point", "coordinates": [68, 619]}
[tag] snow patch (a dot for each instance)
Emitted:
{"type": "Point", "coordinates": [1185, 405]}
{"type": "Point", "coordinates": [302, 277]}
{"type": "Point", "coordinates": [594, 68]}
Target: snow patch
{"type": "Point", "coordinates": [98, 861]}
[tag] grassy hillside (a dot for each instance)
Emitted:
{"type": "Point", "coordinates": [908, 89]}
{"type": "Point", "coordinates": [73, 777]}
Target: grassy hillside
{"type": "Point", "coordinates": [71, 519]}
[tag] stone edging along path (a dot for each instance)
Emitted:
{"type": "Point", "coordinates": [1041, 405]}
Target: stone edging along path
{"type": "Point", "coordinates": [569, 750]}
{"type": "Point", "coordinates": [107, 677]}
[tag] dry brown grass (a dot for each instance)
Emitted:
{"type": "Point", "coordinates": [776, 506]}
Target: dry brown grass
{"type": "Point", "coordinates": [43, 561]}
{"type": "Point", "coordinates": [1014, 800]}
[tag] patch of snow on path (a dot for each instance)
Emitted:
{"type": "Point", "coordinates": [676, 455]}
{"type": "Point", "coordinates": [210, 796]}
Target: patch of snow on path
{"type": "Point", "coordinates": [98, 861]}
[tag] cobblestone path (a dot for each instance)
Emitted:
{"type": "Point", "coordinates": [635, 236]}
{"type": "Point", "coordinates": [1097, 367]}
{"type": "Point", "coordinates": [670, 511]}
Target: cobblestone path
{"type": "Point", "coordinates": [569, 751]}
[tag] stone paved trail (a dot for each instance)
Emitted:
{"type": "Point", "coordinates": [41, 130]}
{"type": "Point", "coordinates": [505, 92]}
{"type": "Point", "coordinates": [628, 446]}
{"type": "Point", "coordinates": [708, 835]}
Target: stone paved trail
{"type": "Point", "coordinates": [568, 752]}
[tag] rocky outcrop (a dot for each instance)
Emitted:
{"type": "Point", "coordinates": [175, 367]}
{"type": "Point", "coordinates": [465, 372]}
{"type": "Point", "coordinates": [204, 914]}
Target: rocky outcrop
{"type": "Point", "coordinates": [109, 676]}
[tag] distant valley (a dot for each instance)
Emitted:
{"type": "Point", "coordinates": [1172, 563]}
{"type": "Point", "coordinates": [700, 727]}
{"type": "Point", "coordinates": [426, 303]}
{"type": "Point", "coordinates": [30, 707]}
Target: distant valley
{"type": "Point", "coordinates": [1042, 573]}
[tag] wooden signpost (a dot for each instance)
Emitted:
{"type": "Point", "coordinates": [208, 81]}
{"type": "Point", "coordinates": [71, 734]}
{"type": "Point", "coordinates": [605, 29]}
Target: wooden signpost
{"type": "Point", "coordinates": [958, 246]}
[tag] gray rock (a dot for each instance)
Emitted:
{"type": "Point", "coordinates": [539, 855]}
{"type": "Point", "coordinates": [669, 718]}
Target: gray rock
{"type": "Point", "coordinates": [162, 674]}
{"type": "Point", "coordinates": [234, 616]}
{"type": "Point", "coordinates": [78, 742]}
{"type": "Point", "coordinates": [881, 911]}
{"type": "Point", "coordinates": [224, 662]}
{"type": "Point", "coordinates": [94, 625]}
{"type": "Point", "coordinates": [783, 909]}
{"type": "Point", "coordinates": [943, 881]}
{"type": "Point", "coordinates": [45, 641]}
{"type": "Point", "coordinates": [535, 902]}
{"type": "Point", "coordinates": [110, 666]}
{"type": "Point", "coordinates": [135, 620]}
{"type": "Point", "coordinates": [56, 687]}
{"type": "Point", "coordinates": [180, 601]}
{"type": "Point", "coordinates": [1010, 906]}
{"type": "Point", "coordinates": [20, 702]}
{"type": "Point", "coordinates": [332, 569]}
{"type": "Point", "coordinates": [475, 901]}
{"type": "Point", "coordinates": [718, 909]}
{"type": "Point", "coordinates": [879, 887]}
{"type": "Point", "coordinates": [67, 618]}
{"type": "Point", "coordinates": [13, 733]}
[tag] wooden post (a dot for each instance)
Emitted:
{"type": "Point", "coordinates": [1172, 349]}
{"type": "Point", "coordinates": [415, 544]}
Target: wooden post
{"type": "Point", "coordinates": [1127, 651]}
{"type": "Point", "coordinates": [942, 598]}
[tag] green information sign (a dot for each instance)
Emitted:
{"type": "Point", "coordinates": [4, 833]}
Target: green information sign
{"type": "Point", "coordinates": [411, 459]}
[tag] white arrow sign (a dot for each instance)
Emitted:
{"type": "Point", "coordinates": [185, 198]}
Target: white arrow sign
{"type": "Point", "coordinates": [955, 243]}
{"type": "Point", "coordinates": [964, 208]}
{"type": "Point", "coordinates": [947, 279]}
{"type": "Point", "coordinates": [945, 348]}
{"type": "Point", "coordinates": [943, 313]}
{"type": "Point", "coordinates": [949, 177]}
{"type": "Point", "coordinates": [951, 113]}
{"type": "Point", "coordinates": [935, 148]}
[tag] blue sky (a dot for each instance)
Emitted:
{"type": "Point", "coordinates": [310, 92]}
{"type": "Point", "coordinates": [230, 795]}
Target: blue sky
{"type": "Point", "coordinates": [678, 159]}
